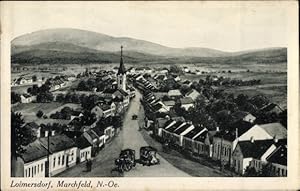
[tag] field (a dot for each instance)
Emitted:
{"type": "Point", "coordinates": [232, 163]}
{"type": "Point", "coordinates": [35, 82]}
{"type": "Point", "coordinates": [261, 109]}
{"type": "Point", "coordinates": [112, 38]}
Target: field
{"type": "Point", "coordinates": [29, 110]}
{"type": "Point", "coordinates": [273, 76]}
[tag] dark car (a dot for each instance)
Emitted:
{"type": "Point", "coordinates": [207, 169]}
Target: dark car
{"type": "Point", "coordinates": [148, 156]}
{"type": "Point", "coordinates": [126, 160]}
{"type": "Point", "coordinates": [134, 117]}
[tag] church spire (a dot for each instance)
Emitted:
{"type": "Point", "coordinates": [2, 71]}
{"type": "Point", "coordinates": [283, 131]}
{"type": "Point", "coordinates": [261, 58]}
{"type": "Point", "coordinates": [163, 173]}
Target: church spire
{"type": "Point", "coordinates": [122, 67]}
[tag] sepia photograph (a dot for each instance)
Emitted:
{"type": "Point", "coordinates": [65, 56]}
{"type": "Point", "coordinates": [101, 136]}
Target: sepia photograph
{"type": "Point", "coordinates": [147, 89]}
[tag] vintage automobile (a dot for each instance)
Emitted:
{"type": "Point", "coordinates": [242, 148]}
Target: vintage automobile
{"type": "Point", "coordinates": [134, 117]}
{"type": "Point", "coordinates": [126, 160]}
{"type": "Point", "coordinates": [148, 156]}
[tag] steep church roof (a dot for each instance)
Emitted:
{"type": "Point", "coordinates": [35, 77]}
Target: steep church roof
{"type": "Point", "coordinates": [122, 69]}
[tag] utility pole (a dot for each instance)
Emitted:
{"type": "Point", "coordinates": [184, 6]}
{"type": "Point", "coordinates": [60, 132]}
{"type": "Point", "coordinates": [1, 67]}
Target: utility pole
{"type": "Point", "coordinates": [47, 164]}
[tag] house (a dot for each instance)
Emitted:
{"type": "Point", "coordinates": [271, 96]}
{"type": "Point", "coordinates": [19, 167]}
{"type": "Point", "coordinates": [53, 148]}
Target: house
{"type": "Point", "coordinates": [180, 132]}
{"type": "Point", "coordinates": [84, 151]}
{"type": "Point", "coordinates": [93, 139]}
{"type": "Point", "coordinates": [23, 80]}
{"type": "Point", "coordinates": [251, 151]}
{"type": "Point", "coordinates": [109, 133]}
{"type": "Point", "coordinates": [202, 144]}
{"type": "Point", "coordinates": [192, 94]}
{"type": "Point", "coordinates": [164, 125]}
{"type": "Point", "coordinates": [174, 94]}
{"type": "Point", "coordinates": [100, 133]}
{"type": "Point", "coordinates": [35, 128]}
{"type": "Point", "coordinates": [265, 131]}
{"type": "Point", "coordinates": [26, 98]}
{"type": "Point", "coordinates": [32, 162]}
{"type": "Point", "coordinates": [169, 104]}
{"type": "Point", "coordinates": [192, 145]}
{"type": "Point", "coordinates": [62, 152]}
{"type": "Point", "coordinates": [224, 142]}
{"type": "Point", "coordinates": [167, 132]}
{"type": "Point", "coordinates": [278, 161]}
{"type": "Point", "coordinates": [244, 116]}
{"type": "Point", "coordinates": [103, 110]}
{"type": "Point", "coordinates": [187, 103]}
{"type": "Point", "coordinates": [119, 93]}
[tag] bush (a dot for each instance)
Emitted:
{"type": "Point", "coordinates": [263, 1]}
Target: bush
{"type": "Point", "coordinates": [40, 114]}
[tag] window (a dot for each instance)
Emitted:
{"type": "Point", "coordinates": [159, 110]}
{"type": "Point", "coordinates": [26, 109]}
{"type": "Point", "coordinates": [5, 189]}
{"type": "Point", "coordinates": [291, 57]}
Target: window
{"type": "Point", "coordinates": [63, 160]}
{"type": "Point", "coordinates": [25, 172]}
{"type": "Point", "coordinates": [34, 170]}
{"type": "Point", "coordinates": [28, 172]}
{"type": "Point", "coordinates": [32, 174]}
{"type": "Point", "coordinates": [42, 165]}
{"type": "Point", "coordinates": [38, 168]}
{"type": "Point", "coordinates": [282, 172]}
{"type": "Point", "coordinates": [58, 160]}
{"type": "Point", "coordinates": [54, 162]}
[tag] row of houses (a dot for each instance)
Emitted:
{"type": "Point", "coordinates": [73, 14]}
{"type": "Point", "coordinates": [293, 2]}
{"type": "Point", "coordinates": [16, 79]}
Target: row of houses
{"type": "Point", "coordinates": [243, 146]}
{"type": "Point", "coordinates": [51, 154]}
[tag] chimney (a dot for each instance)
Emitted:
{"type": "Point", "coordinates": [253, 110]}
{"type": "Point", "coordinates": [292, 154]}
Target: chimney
{"type": "Point", "coordinates": [252, 139]}
{"type": "Point", "coordinates": [275, 139]}
{"type": "Point", "coordinates": [46, 133]}
{"type": "Point", "coordinates": [52, 133]}
{"type": "Point", "coordinates": [38, 132]}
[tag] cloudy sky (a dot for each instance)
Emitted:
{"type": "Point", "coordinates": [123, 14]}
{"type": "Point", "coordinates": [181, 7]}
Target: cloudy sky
{"type": "Point", "coordinates": [230, 26]}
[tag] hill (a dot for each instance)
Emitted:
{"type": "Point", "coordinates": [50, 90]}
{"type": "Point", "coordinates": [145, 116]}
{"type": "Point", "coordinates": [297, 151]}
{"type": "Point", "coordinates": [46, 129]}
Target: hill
{"type": "Point", "coordinates": [79, 46]}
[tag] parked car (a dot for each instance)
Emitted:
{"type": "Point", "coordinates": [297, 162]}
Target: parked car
{"type": "Point", "coordinates": [148, 156]}
{"type": "Point", "coordinates": [126, 160]}
{"type": "Point", "coordinates": [134, 117]}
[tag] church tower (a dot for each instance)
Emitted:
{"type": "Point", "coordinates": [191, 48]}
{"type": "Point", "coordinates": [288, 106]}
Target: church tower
{"type": "Point", "coordinates": [121, 75]}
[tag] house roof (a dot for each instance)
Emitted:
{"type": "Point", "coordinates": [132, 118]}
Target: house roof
{"type": "Point", "coordinates": [182, 129]}
{"type": "Point", "coordinates": [58, 142]}
{"type": "Point", "coordinates": [239, 127]}
{"type": "Point", "coordinates": [26, 95]}
{"type": "Point", "coordinates": [169, 103]}
{"type": "Point", "coordinates": [34, 151]}
{"type": "Point", "coordinates": [98, 131]}
{"type": "Point", "coordinates": [174, 93]}
{"type": "Point", "coordinates": [240, 114]}
{"type": "Point", "coordinates": [255, 149]}
{"type": "Point", "coordinates": [186, 100]}
{"type": "Point", "coordinates": [120, 91]}
{"type": "Point", "coordinates": [275, 129]}
{"type": "Point", "coordinates": [175, 126]}
{"type": "Point", "coordinates": [92, 134]}
{"type": "Point", "coordinates": [193, 94]}
{"type": "Point", "coordinates": [32, 125]}
{"type": "Point", "coordinates": [104, 107]}
{"type": "Point", "coordinates": [161, 122]}
{"type": "Point", "coordinates": [279, 156]}
{"type": "Point", "coordinates": [82, 142]}
{"type": "Point", "coordinates": [193, 132]}
{"type": "Point", "coordinates": [201, 137]}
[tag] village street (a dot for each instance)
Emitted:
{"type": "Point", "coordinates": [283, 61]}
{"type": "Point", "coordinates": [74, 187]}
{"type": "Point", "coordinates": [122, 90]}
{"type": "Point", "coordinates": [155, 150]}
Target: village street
{"type": "Point", "coordinates": [131, 137]}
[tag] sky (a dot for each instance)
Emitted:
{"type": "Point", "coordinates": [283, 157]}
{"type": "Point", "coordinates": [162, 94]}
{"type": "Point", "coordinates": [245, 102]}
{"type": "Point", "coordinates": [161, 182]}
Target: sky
{"type": "Point", "coordinates": [228, 26]}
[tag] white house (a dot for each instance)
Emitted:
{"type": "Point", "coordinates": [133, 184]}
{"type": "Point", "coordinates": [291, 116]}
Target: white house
{"type": "Point", "coordinates": [32, 162]}
{"type": "Point", "coordinates": [84, 151]}
{"type": "Point", "coordinates": [251, 151]}
{"type": "Point", "coordinates": [63, 152]}
{"type": "Point", "coordinates": [245, 116]}
{"type": "Point", "coordinates": [26, 98]}
{"type": "Point", "coordinates": [193, 94]}
{"type": "Point", "coordinates": [187, 103]}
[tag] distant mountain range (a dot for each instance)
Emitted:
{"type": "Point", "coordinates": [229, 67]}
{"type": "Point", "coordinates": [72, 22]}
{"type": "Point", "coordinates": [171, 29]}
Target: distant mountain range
{"type": "Point", "coordinates": [80, 46]}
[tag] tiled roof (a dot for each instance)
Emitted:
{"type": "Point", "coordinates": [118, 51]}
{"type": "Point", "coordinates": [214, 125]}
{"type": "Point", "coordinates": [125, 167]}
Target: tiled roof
{"type": "Point", "coordinates": [34, 151]}
{"type": "Point", "coordinates": [169, 103]}
{"type": "Point", "coordinates": [279, 156]}
{"type": "Point", "coordinates": [201, 137]}
{"type": "Point", "coordinates": [194, 132]}
{"type": "Point", "coordinates": [175, 126]}
{"type": "Point", "coordinates": [255, 149]}
{"type": "Point", "coordinates": [239, 127]}
{"type": "Point", "coordinates": [186, 100]}
{"type": "Point", "coordinates": [275, 129]}
{"type": "Point", "coordinates": [82, 142]}
{"type": "Point", "coordinates": [182, 129]}
{"type": "Point", "coordinates": [57, 143]}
